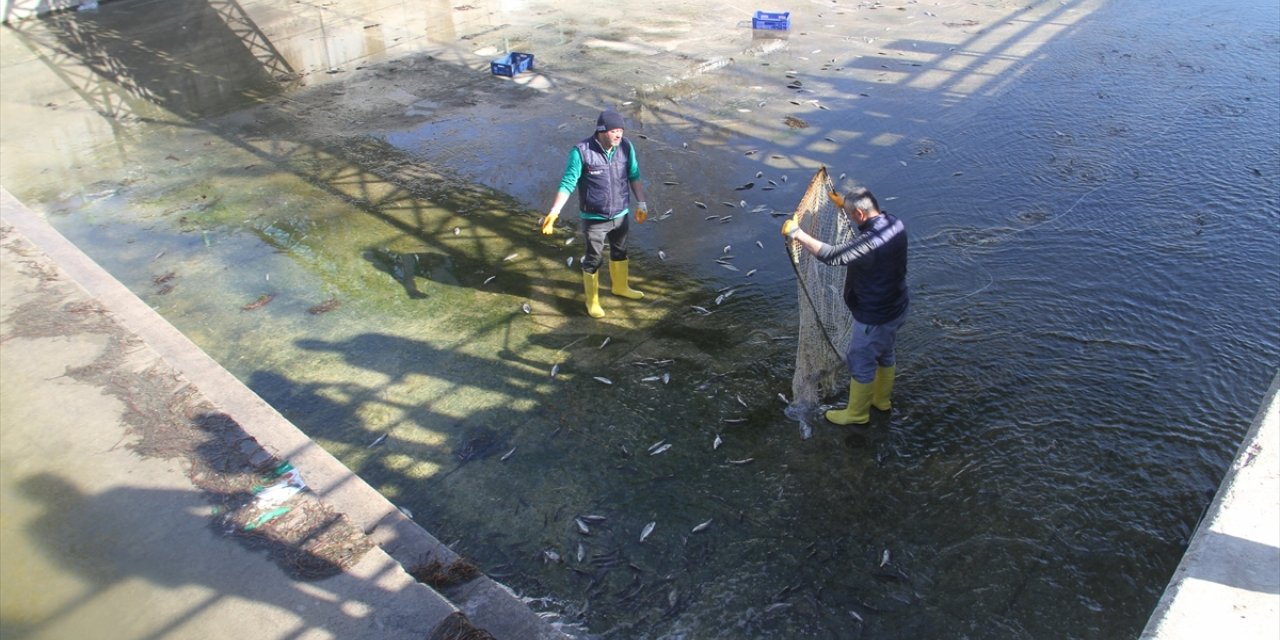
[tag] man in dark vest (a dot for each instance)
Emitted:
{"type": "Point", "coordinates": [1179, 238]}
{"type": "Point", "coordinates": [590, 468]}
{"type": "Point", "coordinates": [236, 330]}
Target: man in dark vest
{"type": "Point", "coordinates": [604, 170]}
{"type": "Point", "coordinates": [875, 290]}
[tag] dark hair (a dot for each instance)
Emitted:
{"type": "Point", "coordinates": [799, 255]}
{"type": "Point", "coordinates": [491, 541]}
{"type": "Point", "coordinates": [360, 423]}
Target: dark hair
{"type": "Point", "coordinates": [861, 198]}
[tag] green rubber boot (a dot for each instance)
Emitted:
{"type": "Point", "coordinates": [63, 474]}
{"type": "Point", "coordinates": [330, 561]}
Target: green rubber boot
{"type": "Point", "coordinates": [882, 388]}
{"type": "Point", "coordinates": [591, 285]}
{"type": "Point", "coordinates": [619, 270]}
{"type": "Point", "coordinates": [859, 409]}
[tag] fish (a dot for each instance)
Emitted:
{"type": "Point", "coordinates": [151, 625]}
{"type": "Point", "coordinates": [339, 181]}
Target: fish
{"type": "Point", "coordinates": [842, 176]}
{"type": "Point", "coordinates": [733, 420]}
{"type": "Point", "coordinates": [670, 183]}
{"type": "Point", "coordinates": [593, 518]}
{"type": "Point", "coordinates": [551, 556]}
{"type": "Point", "coordinates": [699, 205]}
{"type": "Point", "coordinates": [582, 527]}
{"type": "Point", "coordinates": [665, 215]}
{"type": "Point", "coordinates": [701, 527]}
{"type": "Point", "coordinates": [570, 240]}
{"type": "Point", "coordinates": [526, 308]}
{"type": "Point", "coordinates": [555, 368]}
{"type": "Point", "coordinates": [759, 244]}
{"type": "Point", "coordinates": [662, 255]}
{"type": "Point", "coordinates": [726, 203]}
{"type": "Point", "coordinates": [829, 139]}
{"type": "Point", "coordinates": [742, 461]}
{"type": "Point", "coordinates": [511, 257]}
{"type": "Point", "coordinates": [742, 204]}
{"type": "Point", "coordinates": [751, 152]}
{"type": "Point", "coordinates": [655, 445]}
{"type": "Point", "coordinates": [773, 183]}
{"type": "Point", "coordinates": [488, 280]}
{"type": "Point", "coordinates": [407, 513]}
{"type": "Point", "coordinates": [725, 219]}
{"type": "Point", "coordinates": [457, 230]}
{"type": "Point", "coordinates": [759, 174]}
{"type": "Point", "coordinates": [740, 401]}
{"type": "Point", "coordinates": [666, 378]}
{"type": "Point", "coordinates": [716, 443]}
{"type": "Point", "coordinates": [884, 558]}
{"type": "Point", "coordinates": [568, 261]}
{"type": "Point", "coordinates": [855, 615]}
{"type": "Point", "coordinates": [377, 441]}
{"type": "Point", "coordinates": [726, 248]}
{"type": "Point", "coordinates": [777, 606]}
{"type": "Point", "coordinates": [603, 380]}
{"type": "Point", "coordinates": [325, 307]}
{"type": "Point", "coordinates": [751, 273]}
{"type": "Point", "coordinates": [606, 341]}
{"type": "Point", "coordinates": [745, 186]}
{"type": "Point", "coordinates": [719, 299]}
{"type": "Point", "coordinates": [661, 449]}
{"type": "Point", "coordinates": [582, 552]}
{"type": "Point", "coordinates": [712, 218]}
{"type": "Point", "coordinates": [650, 379]}
{"type": "Point", "coordinates": [783, 399]}
{"type": "Point", "coordinates": [648, 529]}
{"type": "Point", "coordinates": [507, 456]}
{"type": "Point", "coordinates": [729, 266]}
{"type": "Point", "coordinates": [701, 310]}
{"type": "Point", "coordinates": [784, 178]}
{"type": "Point", "coordinates": [261, 302]}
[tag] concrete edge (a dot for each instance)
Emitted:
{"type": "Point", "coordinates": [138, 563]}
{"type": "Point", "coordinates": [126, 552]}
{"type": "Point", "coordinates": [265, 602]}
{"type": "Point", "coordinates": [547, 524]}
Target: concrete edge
{"type": "Point", "coordinates": [1265, 424]}
{"type": "Point", "coordinates": [486, 603]}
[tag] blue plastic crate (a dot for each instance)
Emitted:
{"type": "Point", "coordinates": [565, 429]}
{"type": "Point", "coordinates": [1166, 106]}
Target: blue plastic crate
{"type": "Point", "coordinates": [772, 21]}
{"type": "Point", "coordinates": [511, 64]}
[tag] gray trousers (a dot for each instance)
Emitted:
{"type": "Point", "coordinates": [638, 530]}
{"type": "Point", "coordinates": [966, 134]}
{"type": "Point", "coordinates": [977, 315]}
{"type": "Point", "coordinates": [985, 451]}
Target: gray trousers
{"type": "Point", "coordinates": [871, 346]}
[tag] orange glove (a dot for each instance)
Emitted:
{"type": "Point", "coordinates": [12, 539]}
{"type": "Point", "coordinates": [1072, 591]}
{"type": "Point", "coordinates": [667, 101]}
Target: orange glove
{"type": "Point", "coordinates": [549, 223]}
{"type": "Point", "coordinates": [837, 198]}
{"type": "Point", "coordinates": [790, 228]}
{"type": "Point", "coordinates": [642, 213]}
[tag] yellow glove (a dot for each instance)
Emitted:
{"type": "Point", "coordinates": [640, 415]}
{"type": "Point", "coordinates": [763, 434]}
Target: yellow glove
{"type": "Point", "coordinates": [837, 198]}
{"type": "Point", "coordinates": [790, 228]}
{"type": "Point", "coordinates": [642, 213]}
{"type": "Point", "coordinates": [549, 223]}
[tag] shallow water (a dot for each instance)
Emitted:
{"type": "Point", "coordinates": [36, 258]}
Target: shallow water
{"type": "Point", "coordinates": [1091, 191]}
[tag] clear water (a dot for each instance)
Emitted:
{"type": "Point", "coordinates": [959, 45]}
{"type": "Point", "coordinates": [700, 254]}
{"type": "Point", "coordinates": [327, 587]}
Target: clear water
{"type": "Point", "coordinates": [1091, 191]}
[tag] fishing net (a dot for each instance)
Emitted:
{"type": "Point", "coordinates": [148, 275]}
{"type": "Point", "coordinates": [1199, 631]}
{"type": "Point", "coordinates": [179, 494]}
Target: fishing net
{"type": "Point", "coordinates": [825, 322]}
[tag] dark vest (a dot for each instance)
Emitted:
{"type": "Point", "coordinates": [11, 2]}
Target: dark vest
{"type": "Point", "coordinates": [875, 287]}
{"type": "Point", "coordinates": [603, 187]}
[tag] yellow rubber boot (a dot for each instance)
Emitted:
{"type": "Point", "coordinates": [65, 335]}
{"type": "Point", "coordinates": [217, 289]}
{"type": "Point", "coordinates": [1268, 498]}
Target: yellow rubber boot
{"type": "Point", "coordinates": [619, 270]}
{"type": "Point", "coordinates": [859, 409]}
{"type": "Point", "coordinates": [591, 285]}
{"type": "Point", "coordinates": [882, 388]}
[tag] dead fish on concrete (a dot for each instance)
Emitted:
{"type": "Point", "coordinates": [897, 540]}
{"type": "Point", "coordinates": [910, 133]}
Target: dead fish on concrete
{"type": "Point", "coordinates": [526, 308]}
{"type": "Point", "coordinates": [261, 302]}
{"type": "Point", "coordinates": [511, 257]}
{"type": "Point", "coordinates": [661, 449]}
{"type": "Point", "coordinates": [325, 307]}
{"type": "Point", "coordinates": [602, 380]}
{"type": "Point", "coordinates": [716, 444]}
{"type": "Point", "coordinates": [606, 341]}
{"type": "Point", "coordinates": [701, 527]}
{"type": "Point", "coordinates": [648, 529]}
{"type": "Point", "coordinates": [377, 441]}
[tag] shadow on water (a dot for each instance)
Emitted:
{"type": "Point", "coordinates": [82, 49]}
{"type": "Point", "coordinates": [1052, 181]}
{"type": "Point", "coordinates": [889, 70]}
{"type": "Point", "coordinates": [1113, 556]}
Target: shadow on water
{"type": "Point", "coordinates": [1013, 493]}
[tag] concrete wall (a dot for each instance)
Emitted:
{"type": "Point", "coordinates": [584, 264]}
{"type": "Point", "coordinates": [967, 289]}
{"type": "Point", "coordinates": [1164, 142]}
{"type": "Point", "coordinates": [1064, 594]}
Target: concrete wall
{"type": "Point", "coordinates": [15, 10]}
{"type": "Point", "coordinates": [1228, 583]}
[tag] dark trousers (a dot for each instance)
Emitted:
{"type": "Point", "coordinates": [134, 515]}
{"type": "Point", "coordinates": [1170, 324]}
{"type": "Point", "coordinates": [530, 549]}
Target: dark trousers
{"type": "Point", "coordinates": [596, 232]}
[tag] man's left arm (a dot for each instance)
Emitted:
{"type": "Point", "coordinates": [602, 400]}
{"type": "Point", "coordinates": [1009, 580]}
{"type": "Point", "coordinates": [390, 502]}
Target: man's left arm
{"type": "Point", "coordinates": [637, 186]}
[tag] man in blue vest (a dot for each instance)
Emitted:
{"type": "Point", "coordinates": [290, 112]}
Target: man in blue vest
{"type": "Point", "coordinates": [604, 170]}
{"type": "Point", "coordinates": [875, 290]}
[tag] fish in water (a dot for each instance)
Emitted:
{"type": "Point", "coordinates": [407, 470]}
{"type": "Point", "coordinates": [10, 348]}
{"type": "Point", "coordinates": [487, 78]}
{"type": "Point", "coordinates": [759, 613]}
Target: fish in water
{"type": "Point", "coordinates": [570, 240]}
{"type": "Point", "coordinates": [728, 266]}
{"type": "Point", "coordinates": [699, 204]}
{"type": "Point", "coordinates": [377, 441]}
{"type": "Point", "coordinates": [582, 552]}
{"type": "Point", "coordinates": [590, 517]}
{"type": "Point", "coordinates": [655, 445]}
{"type": "Point", "coordinates": [568, 261]}
{"type": "Point", "coordinates": [726, 248]}
{"type": "Point", "coordinates": [261, 302]}
{"type": "Point", "coordinates": [666, 378]}
{"type": "Point", "coordinates": [555, 368]}
{"type": "Point", "coordinates": [526, 308]}
{"type": "Point", "coordinates": [662, 255]}
{"type": "Point", "coordinates": [478, 443]}
{"type": "Point", "coordinates": [511, 257]}
{"type": "Point", "coordinates": [650, 379]}
{"type": "Point", "coordinates": [648, 529]}
{"type": "Point", "coordinates": [759, 174]}
{"type": "Point", "coordinates": [602, 380]}
{"type": "Point", "coordinates": [701, 310]}
{"type": "Point", "coordinates": [759, 244]}
{"type": "Point", "coordinates": [745, 186]}
{"type": "Point", "coordinates": [716, 444]}
{"type": "Point", "coordinates": [702, 527]}
{"type": "Point", "coordinates": [742, 461]}
{"type": "Point", "coordinates": [582, 527]}
{"type": "Point", "coordinates": [488, 280]}
{"type": "Point", "coordinates": [884, 558]}
{"type": "Point", "coordinates": [751, 273]}
{"type": "Point", "coordinates": [661, 449]}
{"type": "Point", "coordinates": [457, 230]}
{"type": "Point", "coordinates": [742, 204]}
{"type": "Point", "coordinates": [325, 307]}
{"type": "Point", "coordinates": [606, 341]}
{"type": "Point", "coordinates": [507, 456]}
